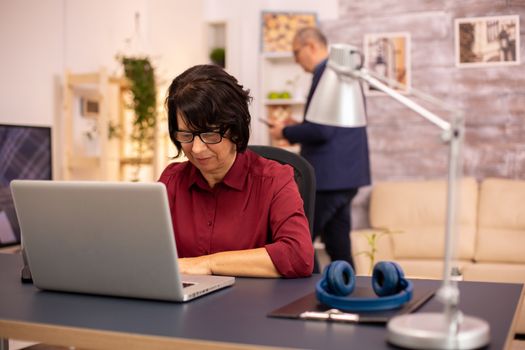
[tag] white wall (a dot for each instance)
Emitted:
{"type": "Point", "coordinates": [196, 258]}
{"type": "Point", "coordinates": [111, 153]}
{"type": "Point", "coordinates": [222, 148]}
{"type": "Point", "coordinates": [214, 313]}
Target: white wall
{"type": "Point", "coordinates": [177, 34]}
{"type": "Point", "coordinates": [31, 42]}
{"type": "Point", "coordinates": [42, 38]}
{"type": "Point", "coordinates": [95, 31]}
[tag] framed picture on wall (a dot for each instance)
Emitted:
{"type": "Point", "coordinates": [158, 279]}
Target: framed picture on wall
{"type": "Point", "coordinates": [278, 29]}
{"type": "Point", "coordinates": [487, 41]}
{"type": "Point", "coordinates": [388, 55]}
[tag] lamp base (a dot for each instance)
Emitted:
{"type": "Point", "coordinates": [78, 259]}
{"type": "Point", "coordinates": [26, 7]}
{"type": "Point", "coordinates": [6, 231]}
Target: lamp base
{"type": "Point", "coordinates": [431, 331]}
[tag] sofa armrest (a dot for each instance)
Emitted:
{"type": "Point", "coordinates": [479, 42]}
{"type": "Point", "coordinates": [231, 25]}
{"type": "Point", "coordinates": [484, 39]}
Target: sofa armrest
{"type": "Point", "coordinates": [362, 249]}
{"type": "Point", "coordinates": [501, 222]}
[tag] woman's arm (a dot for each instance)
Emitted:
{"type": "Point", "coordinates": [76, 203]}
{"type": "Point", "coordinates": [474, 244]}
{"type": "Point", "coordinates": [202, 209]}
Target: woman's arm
{"type": "Point", "coordinates": [246, 263]}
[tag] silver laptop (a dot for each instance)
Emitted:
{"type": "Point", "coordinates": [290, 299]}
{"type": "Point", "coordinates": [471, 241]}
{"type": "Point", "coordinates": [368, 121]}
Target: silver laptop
{"type": "Point", "coordinates": [108, 238]}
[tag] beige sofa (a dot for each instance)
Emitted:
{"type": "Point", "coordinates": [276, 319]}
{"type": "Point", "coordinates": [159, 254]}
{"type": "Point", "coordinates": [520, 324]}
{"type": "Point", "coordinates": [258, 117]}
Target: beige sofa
{"type": "Point", "coordinates": [408, 220]}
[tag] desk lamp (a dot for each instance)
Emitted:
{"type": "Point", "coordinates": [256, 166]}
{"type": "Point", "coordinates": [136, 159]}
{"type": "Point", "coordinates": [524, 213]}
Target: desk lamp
{"type": "Point", "coordinates": [338, 101]}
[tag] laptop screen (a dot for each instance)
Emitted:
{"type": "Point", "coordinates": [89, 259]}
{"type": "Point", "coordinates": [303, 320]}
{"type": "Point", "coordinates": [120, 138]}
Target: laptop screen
{"type": "Point", "coordinates": [25, 153]}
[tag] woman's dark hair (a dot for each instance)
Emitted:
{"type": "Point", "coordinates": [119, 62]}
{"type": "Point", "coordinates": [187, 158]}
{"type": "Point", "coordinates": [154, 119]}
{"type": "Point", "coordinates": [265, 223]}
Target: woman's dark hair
{"type": "Point", "coordinates": [208, 99]}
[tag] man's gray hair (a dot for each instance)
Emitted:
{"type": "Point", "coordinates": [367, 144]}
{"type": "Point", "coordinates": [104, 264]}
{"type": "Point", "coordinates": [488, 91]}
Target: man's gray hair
{"type": "Point", "coordinates": [313, 33]}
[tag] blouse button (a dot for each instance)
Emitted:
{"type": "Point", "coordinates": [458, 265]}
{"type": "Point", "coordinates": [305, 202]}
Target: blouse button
{"type": "Point", "coordinates": [209, 223]}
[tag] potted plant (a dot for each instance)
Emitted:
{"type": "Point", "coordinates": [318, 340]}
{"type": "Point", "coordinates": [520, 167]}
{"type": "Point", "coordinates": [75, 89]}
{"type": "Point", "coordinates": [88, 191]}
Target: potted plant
{"type": "Point", "coordinates": [371, 239]}
{"type": "Point", "coordinates": [218, 56]}
{"type": "Point", "coordinates": [141, 76]}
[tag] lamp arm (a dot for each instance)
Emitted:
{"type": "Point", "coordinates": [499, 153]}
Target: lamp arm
{"type": "Point", "coordinates": [363, 74]}
{"type": "Point", "coordinates": [413, 91]}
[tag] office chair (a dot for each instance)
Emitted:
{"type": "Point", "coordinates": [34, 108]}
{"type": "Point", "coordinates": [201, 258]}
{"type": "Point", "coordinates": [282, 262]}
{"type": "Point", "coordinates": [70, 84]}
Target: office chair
{"type": "Point", "coordinates": [304, 175]}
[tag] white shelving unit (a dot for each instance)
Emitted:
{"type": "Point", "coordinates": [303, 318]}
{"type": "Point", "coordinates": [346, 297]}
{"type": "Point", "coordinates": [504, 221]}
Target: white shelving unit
{"type": "Point", "coordinates": [285, 102]}
{"type": "Point", "coordinates": [90, 151]}
{"type": "Point", "coordinates": [279, 73]}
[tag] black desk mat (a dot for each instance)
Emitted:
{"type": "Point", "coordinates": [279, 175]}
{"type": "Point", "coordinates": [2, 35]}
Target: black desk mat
{"type": "Point", "coordinates": [309, 302]}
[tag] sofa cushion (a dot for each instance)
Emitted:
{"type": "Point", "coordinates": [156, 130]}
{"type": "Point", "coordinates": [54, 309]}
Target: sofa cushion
{"type": "Point", "coordinates": [418, 209]}
{"type": "Point", "coordinates": [495, 272]}
{"type": "Point", "coordinates": [501, 221]}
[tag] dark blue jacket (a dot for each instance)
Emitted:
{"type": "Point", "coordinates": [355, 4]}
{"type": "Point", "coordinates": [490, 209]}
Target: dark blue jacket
{"type": "Point", "coordinates": [339, 155]}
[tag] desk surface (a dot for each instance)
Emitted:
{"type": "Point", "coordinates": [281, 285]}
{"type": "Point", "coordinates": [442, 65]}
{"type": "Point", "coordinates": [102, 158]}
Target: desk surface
{"type": "Point", "coordinates": [230, 318]}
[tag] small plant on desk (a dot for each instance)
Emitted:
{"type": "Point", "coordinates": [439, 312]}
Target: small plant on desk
{"type": "Point", "coordinates": [372, 239]}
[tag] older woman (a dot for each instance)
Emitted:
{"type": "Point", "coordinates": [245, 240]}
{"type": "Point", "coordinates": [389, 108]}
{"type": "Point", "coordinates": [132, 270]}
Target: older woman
{"type": "Point", "coordinates": [234, 212]}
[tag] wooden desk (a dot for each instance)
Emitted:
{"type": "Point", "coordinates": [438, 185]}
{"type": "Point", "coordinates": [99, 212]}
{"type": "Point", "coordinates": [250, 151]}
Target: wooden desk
{"type": "Point", "coordinates": [232, 318]}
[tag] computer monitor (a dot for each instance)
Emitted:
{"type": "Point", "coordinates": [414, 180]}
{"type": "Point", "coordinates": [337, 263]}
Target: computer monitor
{"type": "Point", "coordinates": [25, 153]}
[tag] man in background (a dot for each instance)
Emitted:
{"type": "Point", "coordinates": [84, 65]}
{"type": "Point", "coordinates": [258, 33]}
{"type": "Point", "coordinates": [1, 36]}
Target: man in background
{"type": "Point", "coordinates": [339, 155]}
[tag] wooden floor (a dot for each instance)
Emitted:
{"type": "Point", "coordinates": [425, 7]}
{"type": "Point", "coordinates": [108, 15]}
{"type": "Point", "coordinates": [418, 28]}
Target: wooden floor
{"type": "Point", "coordinates": [18, 345]}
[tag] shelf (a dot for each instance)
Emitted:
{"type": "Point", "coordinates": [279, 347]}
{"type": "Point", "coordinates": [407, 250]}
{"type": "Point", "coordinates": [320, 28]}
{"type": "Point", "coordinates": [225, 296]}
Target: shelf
{"type": "Point", "coordinates": [136, 161]}
{"type": "Point", "coordinates": [279, 73]}
{"type": "Point", "coordinates": [284, 102]}
{"type": "Point", "coordinates": [285, 56]}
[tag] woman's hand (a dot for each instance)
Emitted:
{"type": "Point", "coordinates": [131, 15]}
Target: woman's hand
{"type": "Point", "coordinates": [248, 263]}
{"type": "Point", "coordinates": [195, 266]}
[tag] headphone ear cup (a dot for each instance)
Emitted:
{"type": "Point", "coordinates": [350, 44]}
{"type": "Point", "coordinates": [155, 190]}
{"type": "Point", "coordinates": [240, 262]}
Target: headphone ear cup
{"type": "Point", "coordinates": [387, 278]}
{"type": "Point", "coordinates": [340, 278]}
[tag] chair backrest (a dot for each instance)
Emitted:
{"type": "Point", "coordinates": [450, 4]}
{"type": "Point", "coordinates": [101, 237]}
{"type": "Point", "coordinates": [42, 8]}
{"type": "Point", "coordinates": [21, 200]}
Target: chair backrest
{"type": "Point", "coordinates": [303, 172]}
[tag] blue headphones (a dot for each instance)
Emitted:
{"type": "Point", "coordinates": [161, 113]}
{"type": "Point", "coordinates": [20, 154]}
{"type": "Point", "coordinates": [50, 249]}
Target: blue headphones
{"type": "Point", "coordinates": [388, 282]}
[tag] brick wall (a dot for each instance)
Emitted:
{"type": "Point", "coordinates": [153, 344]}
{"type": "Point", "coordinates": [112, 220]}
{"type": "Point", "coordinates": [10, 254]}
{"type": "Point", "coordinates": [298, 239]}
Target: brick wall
{"type": "Point", "coordinates": [403, 145]}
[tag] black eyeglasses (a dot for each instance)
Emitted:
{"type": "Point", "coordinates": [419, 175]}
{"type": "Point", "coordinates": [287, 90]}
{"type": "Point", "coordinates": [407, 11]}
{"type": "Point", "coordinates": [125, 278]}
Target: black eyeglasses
{"type": "Point", "coordinates": [208, 137]}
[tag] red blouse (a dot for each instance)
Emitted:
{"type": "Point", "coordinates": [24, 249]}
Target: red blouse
{"type": "Point", "coordinates": [257, 204]}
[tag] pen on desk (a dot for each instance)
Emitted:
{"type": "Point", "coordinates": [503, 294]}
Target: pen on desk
{"type": "Point", "coordinates": [330, 315]}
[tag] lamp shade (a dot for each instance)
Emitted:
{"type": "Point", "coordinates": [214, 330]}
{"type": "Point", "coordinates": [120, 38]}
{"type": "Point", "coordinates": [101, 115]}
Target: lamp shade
{"type": "Point", "coordinates": [338, 99]}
